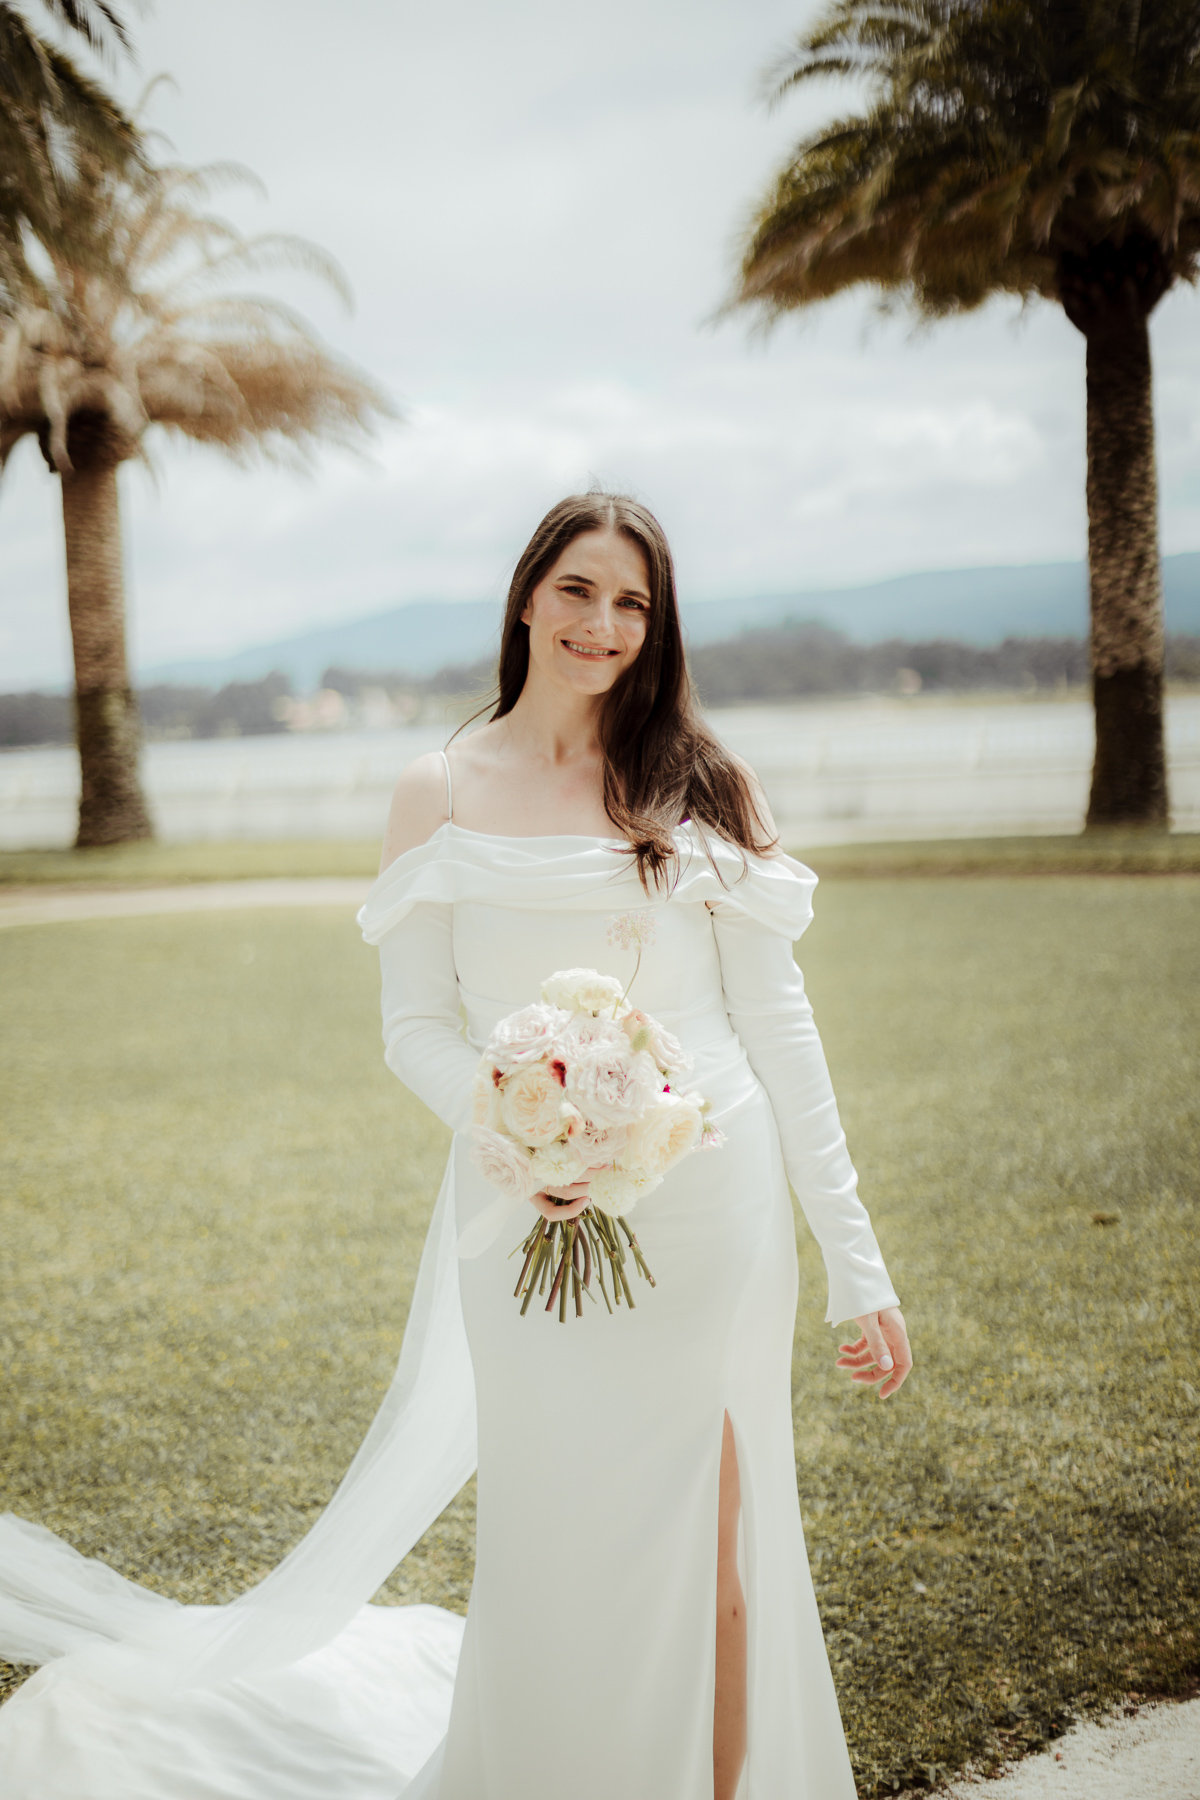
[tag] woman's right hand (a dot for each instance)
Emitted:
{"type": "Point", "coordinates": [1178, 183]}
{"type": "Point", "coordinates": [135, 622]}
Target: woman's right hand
{"type": "Point", "coordinates": [573, 1200]}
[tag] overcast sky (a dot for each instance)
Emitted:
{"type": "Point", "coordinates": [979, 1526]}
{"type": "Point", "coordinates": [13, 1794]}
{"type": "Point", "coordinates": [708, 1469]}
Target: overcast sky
{"type": "Point", "coordinates": [537, 204]}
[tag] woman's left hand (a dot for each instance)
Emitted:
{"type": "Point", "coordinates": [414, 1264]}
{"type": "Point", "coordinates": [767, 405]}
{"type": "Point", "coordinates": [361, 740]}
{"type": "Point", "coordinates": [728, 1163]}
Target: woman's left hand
{"type": "Point", "coordinates": [881, 1353]}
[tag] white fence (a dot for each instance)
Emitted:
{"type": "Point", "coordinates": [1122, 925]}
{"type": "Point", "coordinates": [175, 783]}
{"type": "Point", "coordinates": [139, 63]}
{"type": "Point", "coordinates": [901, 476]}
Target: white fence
{"type": "Point", "coordinates": [854, 771]}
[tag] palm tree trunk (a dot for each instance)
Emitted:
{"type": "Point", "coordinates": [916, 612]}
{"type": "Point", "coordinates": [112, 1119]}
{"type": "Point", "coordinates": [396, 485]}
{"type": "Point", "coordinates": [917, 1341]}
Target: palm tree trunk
{"type": "Point", "coordinates": [1129, 776]}
{"type": "Point", "coordinates": [112, 809]}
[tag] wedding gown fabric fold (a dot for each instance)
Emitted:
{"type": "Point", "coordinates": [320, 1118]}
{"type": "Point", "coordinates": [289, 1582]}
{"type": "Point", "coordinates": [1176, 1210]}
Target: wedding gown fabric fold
{"type": "Point", "coordinates": [587, 1660]}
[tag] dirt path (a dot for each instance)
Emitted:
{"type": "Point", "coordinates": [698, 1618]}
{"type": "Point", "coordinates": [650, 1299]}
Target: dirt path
{"type": "Point", "coordinates": [1154, 1755]}
{"type": "Point", "coordinates": [53, 906]}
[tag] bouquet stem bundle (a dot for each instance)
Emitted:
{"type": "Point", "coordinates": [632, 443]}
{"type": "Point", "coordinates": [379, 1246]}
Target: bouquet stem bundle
{"type": "Point", "coordinates": [564, 1256]}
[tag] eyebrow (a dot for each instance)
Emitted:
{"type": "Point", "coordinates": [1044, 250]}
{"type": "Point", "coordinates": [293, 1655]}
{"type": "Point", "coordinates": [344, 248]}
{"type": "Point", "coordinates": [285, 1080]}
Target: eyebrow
{"type": "Point", "coordinates": [586, 581]}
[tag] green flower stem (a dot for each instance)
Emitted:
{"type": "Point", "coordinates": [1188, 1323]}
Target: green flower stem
{"type": "Point", "coordinates": [637, 1253]}
{"type": "Point", "coordinates": [558, 1279]}
{"type": "Point", "coordinates": [567, 1255]}
{"type": "Point", "coordinates": [577, 1273]}
{"type": "Point", "coordinates": [637, 965]}
{"type": "Point", "coordinates": [565, 1274]}
{"type": "Point", "coordinates": [594, 1239]}
{"type": "Point", "coordinates": [530, 1253]}
{"type": "Point", "coordinates": [543, 1255]}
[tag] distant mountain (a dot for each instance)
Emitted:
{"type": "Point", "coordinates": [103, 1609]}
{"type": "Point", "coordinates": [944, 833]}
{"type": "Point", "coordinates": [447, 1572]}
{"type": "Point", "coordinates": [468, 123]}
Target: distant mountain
{"type": "Point", "coordinates": [423, 636]}
{"type": "Point", "coordinates": [974, 606]}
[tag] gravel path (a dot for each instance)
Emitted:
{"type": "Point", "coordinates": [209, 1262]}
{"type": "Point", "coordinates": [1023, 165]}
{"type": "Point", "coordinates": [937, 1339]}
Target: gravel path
{"type": "Point", "coordinates": [1154, 1755]}
{"type": "Point", "coordinates": [51, 906]}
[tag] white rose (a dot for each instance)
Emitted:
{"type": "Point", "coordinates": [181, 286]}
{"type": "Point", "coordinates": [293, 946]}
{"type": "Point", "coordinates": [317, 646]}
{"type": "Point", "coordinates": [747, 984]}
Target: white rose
{"type": "Point", "coordinates": [525, 1036]}
{"type": "Point", "coordinates": [594, 1144]}
{"type": "Point", "coordinates": [582, 990]}
{"type": "Point", "coordinates": [665, 1051]}
{"type": "Point", "coordinates": [485, 1096]}
{"type": "Point", "coordinates": [503, 1163]}
{"type": "Point", "coordinates": [617, 1191]}
{"type": "Point", "coordinates": [557, 1165]}
{"type": "Point", "coordinates": [584, 1033]}
{"type": "Point", "coordinates": [530, 1103]}
{"type": "Point", "coordinates": [611, 1085]}
{"type": "Point", "coordinates": [668, 1131]}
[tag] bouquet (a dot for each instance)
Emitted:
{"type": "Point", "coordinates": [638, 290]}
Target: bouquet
{"type": "Point", "coordinates": [581, 1086]}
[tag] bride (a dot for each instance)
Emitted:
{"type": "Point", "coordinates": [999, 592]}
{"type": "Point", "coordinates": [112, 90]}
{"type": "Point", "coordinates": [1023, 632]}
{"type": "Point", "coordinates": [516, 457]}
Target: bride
{"type": "Point", "coordinates": [642, 1621]}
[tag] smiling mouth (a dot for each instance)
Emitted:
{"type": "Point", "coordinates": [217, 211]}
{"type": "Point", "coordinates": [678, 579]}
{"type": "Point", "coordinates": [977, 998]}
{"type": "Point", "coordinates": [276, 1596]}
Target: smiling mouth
{"type": "Point", "coordinates": [588, 649]}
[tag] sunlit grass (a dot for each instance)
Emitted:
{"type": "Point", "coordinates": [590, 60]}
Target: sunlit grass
{"type": "Point", "coordinates": [1108, 852]}
{"type": "Point", "coordinates": [214, 1196]}
{"type": "Point", "coordinates": [1015, 1537]}
{"type": "Point", "coordinates": [139, 865]}
{"type": "Point", "coordinates": [142, 865]}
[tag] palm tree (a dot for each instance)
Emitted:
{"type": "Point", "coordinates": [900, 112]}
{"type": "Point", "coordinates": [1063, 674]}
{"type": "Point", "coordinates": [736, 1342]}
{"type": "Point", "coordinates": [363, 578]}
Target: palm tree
{"type": "Point", "coordinates": [1040, 148]}
{"type": "Point", "coordinates": [128, 331]}
{"type": "Point", "coordinates": [48, 111]}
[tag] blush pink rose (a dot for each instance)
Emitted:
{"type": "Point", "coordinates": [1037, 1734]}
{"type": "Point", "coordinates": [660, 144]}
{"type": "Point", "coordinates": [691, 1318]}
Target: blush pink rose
{"type": "Point", "coordinates": [530, 1103]}
{"type": "Point", "coordinates": [663, 1135]}
{"type": "Point", "coordinates": [607, 1079]}
{"type": "Point", "coordinates": [504, 1164]}
{"type": "Point", "coordinates": [595, 1144]}
{"type": "Point", "coordinates": [525, 1036]}
{"type": "Point", "coordinates": [664, 1050]}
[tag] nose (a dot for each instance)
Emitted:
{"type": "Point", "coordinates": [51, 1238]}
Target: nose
{"type": "Point", "coordinates": [604, 618]}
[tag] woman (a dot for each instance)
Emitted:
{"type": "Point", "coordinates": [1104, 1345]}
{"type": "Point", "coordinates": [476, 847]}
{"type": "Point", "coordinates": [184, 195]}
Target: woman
{"type": "Point", "coordinates": [642, 1622]}
{"type": "Point", "coordinates": [639, 1445]}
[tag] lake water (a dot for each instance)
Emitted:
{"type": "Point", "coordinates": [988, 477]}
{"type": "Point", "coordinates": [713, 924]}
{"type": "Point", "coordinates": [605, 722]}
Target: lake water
{"type": "Point", "coordinates": [849, 771]}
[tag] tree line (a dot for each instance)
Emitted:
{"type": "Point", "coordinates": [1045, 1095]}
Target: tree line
{"type": "Point", "coordinates": [786, 662]}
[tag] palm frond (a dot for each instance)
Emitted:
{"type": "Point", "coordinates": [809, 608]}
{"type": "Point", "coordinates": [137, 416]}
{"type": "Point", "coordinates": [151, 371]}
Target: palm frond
{"type": "Point", "coordinates": [52, 115]}
{"type": "Point", "coordinates": [140, 329]}
{"type": "Point", "coordinates": [999, 136]}
{"type": "Point", "coordinates": [93, 20]}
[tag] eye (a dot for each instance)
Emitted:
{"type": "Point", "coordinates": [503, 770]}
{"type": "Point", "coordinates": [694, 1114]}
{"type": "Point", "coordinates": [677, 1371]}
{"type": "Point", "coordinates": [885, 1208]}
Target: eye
{"type": "Point", "coordinates": [637, 605]}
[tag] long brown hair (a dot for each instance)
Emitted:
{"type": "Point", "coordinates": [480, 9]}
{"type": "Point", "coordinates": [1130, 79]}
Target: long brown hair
{"type": "Point", "coordinates": [662, 764]}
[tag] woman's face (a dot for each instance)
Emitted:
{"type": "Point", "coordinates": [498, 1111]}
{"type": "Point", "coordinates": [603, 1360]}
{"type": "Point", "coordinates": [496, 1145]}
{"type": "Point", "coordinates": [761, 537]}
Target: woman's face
{"type": "Point", "coordinates": [588, 615]}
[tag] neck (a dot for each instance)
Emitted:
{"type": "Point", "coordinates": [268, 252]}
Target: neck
{"type": "Point", "coordinates": [554, 723]}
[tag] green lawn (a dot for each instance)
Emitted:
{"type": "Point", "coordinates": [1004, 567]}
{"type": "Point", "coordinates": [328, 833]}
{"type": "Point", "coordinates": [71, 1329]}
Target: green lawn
{"type": "Point", "coordinates": [153, 865]}
{"type": "Point", "coordinates": [140, 865]}
{"type": "Point", "coordinates": [214, 1196]}
{"type": "Point", "coordinates": [1148, 852]}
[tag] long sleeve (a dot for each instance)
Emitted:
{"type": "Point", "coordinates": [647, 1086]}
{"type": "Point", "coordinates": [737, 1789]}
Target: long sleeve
{"type": "Point", "coordinates": [770, 1011]}
{"type": "Point", "coordinates": [422, 1026]}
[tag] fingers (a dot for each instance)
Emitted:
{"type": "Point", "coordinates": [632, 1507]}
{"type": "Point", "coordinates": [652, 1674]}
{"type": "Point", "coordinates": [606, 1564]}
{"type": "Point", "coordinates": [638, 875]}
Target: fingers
{"type": "Point", "coordinates": [892, 1324]}
{"type": "Point", "coordinates": [560, 1213]}
{"type": "Point", "coordinates": [881, 1354]}
{"type": "Point", "coordinates": [877, 1344]}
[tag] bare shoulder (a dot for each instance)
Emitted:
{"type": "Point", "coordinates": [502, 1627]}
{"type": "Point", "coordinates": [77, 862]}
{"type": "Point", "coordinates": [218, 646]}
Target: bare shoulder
{"type": "Point", "coordinates": [418, 807]}
{"type": "Point", "coordinates": [758, 796]}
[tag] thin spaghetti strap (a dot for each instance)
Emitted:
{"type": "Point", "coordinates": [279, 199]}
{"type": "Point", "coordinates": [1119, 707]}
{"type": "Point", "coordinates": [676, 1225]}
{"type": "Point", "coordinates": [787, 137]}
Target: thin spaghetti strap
{"type": "Point", "coordinates": [449, 787]}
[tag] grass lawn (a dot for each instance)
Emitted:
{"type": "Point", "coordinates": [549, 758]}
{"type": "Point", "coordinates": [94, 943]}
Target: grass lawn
{"type": "Point", "coordinates": [162, 865]}
{"type": "Point", "coordinates": [214, 1196]}
{"type": "Point", "coordinates": [141, 865]}
{"type": "Point", "coordinates": [1148, 852]}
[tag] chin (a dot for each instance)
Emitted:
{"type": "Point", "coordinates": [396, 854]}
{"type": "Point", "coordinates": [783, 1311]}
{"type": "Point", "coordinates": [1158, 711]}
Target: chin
{"type": "Point", "coordinates": [594, 680]}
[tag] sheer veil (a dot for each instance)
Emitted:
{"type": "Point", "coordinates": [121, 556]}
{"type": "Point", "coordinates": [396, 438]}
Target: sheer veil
{"type": "Point", "coordinates": [418, 1452]}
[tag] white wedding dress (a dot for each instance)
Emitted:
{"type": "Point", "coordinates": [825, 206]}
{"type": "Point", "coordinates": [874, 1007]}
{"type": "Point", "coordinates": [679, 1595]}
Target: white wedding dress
{"type": "Point", "coordinates": [586, 1667]}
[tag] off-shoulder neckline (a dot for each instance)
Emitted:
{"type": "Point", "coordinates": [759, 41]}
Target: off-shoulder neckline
{"type": "Point", "coordinates": [448, 826]}
{"type": "Point", "coordinates": [541, 837]}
